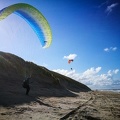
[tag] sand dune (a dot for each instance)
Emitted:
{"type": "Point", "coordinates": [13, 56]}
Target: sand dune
{"type": "Point", "coordinates": [46, 83]}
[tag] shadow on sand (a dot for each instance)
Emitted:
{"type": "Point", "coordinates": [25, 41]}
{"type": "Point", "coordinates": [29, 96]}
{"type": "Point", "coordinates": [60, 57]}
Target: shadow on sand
{"type": "Point", "coordinates": [13, 96]}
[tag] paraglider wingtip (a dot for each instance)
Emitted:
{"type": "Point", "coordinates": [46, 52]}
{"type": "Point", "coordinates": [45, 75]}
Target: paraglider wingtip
{"type": "Point", "coordinates": [44, 47]}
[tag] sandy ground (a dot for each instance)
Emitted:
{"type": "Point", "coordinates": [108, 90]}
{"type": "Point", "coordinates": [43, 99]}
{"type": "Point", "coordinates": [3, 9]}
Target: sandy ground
{"type": "Point", "coordinates": [92, 105]}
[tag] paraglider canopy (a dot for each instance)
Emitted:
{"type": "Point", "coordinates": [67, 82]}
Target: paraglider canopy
{"type": "Point", "coordinates": [69, 61]}
{"type": "Point", "coordinates": [34, 18]}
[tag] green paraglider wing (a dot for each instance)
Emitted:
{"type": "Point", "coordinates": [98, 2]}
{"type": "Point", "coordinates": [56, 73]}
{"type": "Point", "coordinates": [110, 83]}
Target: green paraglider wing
{"type": "Point", "coordinates": [35, 19]}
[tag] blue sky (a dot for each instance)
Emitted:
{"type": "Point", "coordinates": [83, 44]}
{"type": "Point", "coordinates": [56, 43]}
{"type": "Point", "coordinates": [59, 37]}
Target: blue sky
{"type": "Point", "coordinates": [86, 30]}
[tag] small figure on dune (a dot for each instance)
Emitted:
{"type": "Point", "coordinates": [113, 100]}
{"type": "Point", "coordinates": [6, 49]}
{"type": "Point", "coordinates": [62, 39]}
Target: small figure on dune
{"type": "Point", "coordinates": [26, 85]}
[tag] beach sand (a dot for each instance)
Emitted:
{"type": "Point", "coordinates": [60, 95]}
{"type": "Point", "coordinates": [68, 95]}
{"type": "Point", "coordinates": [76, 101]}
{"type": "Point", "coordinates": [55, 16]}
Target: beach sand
{"type": "Point", "coordinates": [93, 105]}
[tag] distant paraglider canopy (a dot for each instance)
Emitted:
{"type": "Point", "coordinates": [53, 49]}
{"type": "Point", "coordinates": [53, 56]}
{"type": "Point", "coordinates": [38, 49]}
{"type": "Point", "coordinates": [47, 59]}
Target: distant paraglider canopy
{"type": "Point", "coordinates": [69, 61]}
{"type": "Point", "coordinates": [34, 18]}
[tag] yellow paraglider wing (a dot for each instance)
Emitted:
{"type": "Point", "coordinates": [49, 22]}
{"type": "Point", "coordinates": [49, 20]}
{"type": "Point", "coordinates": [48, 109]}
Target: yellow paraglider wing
{"type": "Point", "coordinates": [35, 19]}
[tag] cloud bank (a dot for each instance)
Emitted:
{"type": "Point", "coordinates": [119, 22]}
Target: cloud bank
{"type": "Point", "coordinates": [92, 77]}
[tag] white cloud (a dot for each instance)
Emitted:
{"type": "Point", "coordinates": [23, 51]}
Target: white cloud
{"type": "Point", "coordinates": [109, 8]}
{"type": "Point", "coordinates": [116, 71]}
{"type": "Point", "coordinates": [92, 77]}
{"type": "Point", "coordinates": [91, 71]}
{"type": "Point", "coordinates": [112, 72]}
{"type": "Point", "coordinates": [71, 56]}
{"type": "Point", "coordinates": [106, 49]}
{"type": "Point", "coordinates": [114, 49]}
{"type": "Point", "coordinates": [110, 49]}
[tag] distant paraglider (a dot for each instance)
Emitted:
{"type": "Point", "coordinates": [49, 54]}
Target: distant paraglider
{"type": "Point", "coordinates": [34, 18]}
{"type": "Point", "coordinates": [69, 61]}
